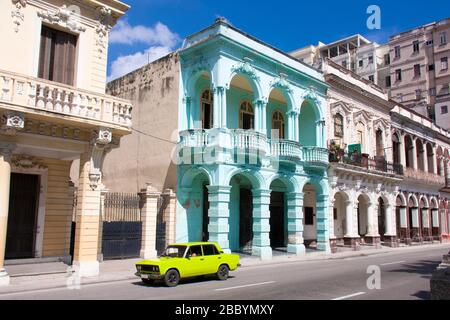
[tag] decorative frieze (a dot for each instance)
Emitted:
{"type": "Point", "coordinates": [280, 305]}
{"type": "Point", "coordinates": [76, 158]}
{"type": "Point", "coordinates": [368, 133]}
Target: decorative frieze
{"type": "Point", "coordinates": [52, 130]}
{"type": "Point", "coordinates": [65, 17]}
{"type": "Point", "coordinates": [25, 162]}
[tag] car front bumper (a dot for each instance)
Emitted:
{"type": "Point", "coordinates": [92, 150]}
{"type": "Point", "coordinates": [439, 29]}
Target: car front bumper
{"type": "Point", "coordinates": [149, 276]}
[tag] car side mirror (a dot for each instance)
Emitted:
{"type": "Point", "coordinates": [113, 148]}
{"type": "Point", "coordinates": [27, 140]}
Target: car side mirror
{"type": "Point", "coordinates": [221, 252]}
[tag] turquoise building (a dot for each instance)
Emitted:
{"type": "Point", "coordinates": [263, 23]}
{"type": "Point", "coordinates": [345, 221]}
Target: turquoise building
{"type": "Point", "coordinates": [252, 158]}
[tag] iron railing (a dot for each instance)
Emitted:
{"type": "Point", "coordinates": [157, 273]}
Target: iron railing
{"type": "Point", "coordinates": [121, 207]}
{"type": "Point", "coordinates": [366, 162]}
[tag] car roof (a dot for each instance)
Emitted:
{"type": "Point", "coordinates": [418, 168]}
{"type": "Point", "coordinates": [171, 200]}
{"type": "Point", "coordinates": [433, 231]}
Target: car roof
{"type": "Point", "coordinates": [189, 244]}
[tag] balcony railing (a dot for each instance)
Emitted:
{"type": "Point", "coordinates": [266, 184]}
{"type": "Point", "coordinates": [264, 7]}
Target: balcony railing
{"type": "Point", "coordinates": [427, 177]}
{"type": "Point", "coordinates": [249, 141]}
{"type": "Point", "coordinates": [285, 149]}
{"type": "Point", "coordinates": [366, 162]}
{"type": "Point", "coordinates": [44, 95]}
{"type": "Point", "coordinates": [315, 155]}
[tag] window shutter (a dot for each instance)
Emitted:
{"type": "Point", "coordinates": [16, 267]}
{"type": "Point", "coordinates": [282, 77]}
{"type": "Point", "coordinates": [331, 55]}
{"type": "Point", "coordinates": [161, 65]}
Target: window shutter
{"type": "Point", "coordinates": [45, 54]}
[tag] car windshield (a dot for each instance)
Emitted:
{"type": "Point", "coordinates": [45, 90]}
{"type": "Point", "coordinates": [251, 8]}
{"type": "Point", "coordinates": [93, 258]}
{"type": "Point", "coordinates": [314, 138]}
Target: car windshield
{"type": "Point", "coordinates": [174, 252]}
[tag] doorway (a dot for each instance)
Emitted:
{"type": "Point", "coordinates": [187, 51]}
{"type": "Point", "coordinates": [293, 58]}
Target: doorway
{"type": "Point", "coordinates": [246, 220]}
{"type": "Point", "coordinates": [277, 230]}
{"type": "Point", "coordinates": [22, 217]}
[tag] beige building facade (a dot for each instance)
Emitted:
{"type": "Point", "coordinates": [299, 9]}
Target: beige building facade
{"type": "Point", "coordinates": [53, 111]}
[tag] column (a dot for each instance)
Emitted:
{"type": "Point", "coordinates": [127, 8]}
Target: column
{"type": "Point", "coordinates": [425, 157]}
{"type": "Point", "coordinates": [219, 214]}
{"type": "Point", "coordinates": [296, 127]}
{"type": "Point", "coordinates": [170, 214]}
{"type": "Point", "coordinates": [373, 235]}
{"type": "Point", "coordinates": [86, 262]}
{"type": "Point", "coordinates": [390, 235]}
{"type": "Point", "coordinates": [223, 106]}
{"type": "Point", "coordinates": [323, 236]}
{"type": "Point", "coordinates": [149, 213]}
{"type": "Point", "coordinates": [402, 151]}
{"type": "Point", "coordinates": [5, 177]}
{"type": "Point", "coordinates": [295, 224]}
{"type": "Point", "coordinates": [414, 159]}
{"type": "Point", "coordinates": [435, 169]}
{"type": "Point", "coordinates": [216, 107]}
{"type": "Point", "coordinates": [260, 116]}
{"type": "Point", "coordinates": [261, 224]}
{"type": "Point", "coordinates": [351, 237]}
{"type": "Point", "coordinates": [333, 240]}
{"type": "Point", "coordinates": [447, 172]}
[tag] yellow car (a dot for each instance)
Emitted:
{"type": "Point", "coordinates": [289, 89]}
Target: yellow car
{"type": "Point", "coordinates": [180, 261]}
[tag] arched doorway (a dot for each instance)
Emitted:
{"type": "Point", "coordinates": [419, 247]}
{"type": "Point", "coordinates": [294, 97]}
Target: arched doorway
{"type": "Point", "coordinates": [240, 112]}
{"type": "Point", "coordinates": [278, 215]}
{"type": "Point", "coordinates": [413, 219]}
{"type": "Point", "coordinates": [401, 218]}
{"type": "Point", "coordinates": [308, 125]}
{"type": "Point", "coordinates": [424, 219]}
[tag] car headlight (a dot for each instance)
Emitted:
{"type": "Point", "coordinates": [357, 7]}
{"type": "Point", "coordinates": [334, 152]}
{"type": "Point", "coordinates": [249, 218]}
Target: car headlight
{"type": "Point", "coordinates": [139, 268]}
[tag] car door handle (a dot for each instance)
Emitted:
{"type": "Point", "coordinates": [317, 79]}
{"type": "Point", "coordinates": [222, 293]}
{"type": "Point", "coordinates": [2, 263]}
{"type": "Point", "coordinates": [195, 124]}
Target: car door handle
{"type": "Point", "coordinates": [202, 259]}
{"type": "Point", "coordinates": [220, 258]}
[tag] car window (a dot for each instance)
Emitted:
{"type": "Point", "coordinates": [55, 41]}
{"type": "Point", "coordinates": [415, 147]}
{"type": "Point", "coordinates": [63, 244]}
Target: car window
{"type": "Point", "coordinates": [174, 252]}
{"type": "Point", "coordinates": [195, 251]}
{"type": "Point", "coordinates": [210, 250]}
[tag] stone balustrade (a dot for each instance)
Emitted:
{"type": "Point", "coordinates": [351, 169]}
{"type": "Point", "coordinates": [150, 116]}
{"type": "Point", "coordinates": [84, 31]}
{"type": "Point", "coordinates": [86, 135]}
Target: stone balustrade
{"type": "Point", "coordinates": [43, 95]}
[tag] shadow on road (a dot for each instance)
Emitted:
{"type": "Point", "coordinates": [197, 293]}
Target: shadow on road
{"type": "Point", "coordinates": [160, 284]}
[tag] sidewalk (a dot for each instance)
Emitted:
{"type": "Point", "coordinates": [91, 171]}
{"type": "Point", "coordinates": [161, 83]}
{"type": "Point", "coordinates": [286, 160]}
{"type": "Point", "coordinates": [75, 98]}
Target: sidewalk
{"type": "Point", "coordinates": [123, 270]}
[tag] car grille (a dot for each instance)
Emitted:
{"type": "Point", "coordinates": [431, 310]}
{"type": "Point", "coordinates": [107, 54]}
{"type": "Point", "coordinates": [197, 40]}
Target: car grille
{"type": "Point", "coordinates": [145, 268]}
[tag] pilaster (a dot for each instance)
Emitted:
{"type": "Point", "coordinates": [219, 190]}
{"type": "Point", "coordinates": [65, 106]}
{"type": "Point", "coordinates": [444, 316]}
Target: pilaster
{"type": "Point", "coordinates": [295, 224]}
{"type": "Point", "coordinates": [261, 224]}
{"type": "Point", "coordinates": [219, 214]}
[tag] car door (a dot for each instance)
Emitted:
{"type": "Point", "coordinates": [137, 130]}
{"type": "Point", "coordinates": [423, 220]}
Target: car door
{"type": "Point", "coordinates": [212, 258]}
{"type": "Point", "coordinates": [195, 262]}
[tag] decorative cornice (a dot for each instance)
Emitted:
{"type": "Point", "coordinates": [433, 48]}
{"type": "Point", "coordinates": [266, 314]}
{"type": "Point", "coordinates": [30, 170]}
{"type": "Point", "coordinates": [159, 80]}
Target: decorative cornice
{"type": "Point", "coordinates": [64, 17]}
{"type": "Point", "coordinates": [25, 162]}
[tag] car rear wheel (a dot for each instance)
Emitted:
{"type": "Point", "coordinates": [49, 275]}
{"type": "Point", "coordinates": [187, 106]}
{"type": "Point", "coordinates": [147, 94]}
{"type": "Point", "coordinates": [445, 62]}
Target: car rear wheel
{"type": "Point", "coordinates": [148, 281]}
{"type": "Point", "coordinates": [223, 272]}
{"type": "Point", "coordinates": [172, 278]}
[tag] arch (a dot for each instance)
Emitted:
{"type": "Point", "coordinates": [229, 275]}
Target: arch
{"type": "Point", "coordinates": [308, 124]}
{"type": "Point", "coordinates": [252, 80]}
{"type": "Point", "coordinates": [434, 203]}
{"type": "Point", "coordinates": [286, 93]}
{"type": "Point", "coordinates": [290, 183]}
{"type": "Point", "coordinates": [279, 123]}
{"type": "Point", "coordinates": [319, 185]}
{"type": "Point", "coordinates": [401, 200]}
{"type": "Point", "coordinates": [192, 174]}
{"type": "Point", "coordinates": [256, 179]}
{"type": "Point", "coordinates": [423, 202]}
{"type": "Point", "coordinates": [412, 201]}
{"type": "Point", "coordinates": [194, 76]}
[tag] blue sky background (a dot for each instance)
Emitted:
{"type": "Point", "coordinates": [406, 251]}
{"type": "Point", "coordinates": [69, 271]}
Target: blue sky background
{"type": "Point", "coordinates": [285, 24]}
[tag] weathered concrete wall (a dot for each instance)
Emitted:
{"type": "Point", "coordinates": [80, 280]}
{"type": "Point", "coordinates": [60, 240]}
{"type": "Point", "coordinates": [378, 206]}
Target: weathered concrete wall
{"type": "Point", "coordinates": [145, 155]}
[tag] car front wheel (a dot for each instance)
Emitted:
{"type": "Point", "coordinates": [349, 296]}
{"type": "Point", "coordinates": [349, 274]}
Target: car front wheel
{"type": "Point", "coordinates": [172, 278]}
{"type": "Point", "coordinates": [223, 272]}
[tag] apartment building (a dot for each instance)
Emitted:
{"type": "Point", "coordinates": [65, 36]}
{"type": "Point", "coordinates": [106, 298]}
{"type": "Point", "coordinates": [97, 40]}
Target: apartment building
{"type": "Point", "coordinates": [419, 70]}
{"type": "Point", "coordinates": [53, 111]}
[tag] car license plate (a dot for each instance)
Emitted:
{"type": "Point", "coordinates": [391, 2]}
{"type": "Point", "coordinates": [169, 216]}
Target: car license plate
{"type": "Point", "coordinates": [144, 276]}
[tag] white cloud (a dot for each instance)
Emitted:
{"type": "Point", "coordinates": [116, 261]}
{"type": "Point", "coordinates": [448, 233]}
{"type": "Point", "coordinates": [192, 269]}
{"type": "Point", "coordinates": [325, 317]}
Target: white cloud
{"type": "Point", "coordinates": [159, 35]}
{"type": "Point", "coordinates": [125, 64]}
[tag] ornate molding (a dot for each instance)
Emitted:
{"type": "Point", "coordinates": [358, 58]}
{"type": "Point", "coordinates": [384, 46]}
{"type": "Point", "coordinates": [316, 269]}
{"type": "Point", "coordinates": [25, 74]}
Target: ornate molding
{"type": "Point", "coordinates": [340, 107]}
{"type": "Point", "coordinates": [281, 83]}
{"type": "Point", "coordinates": [25, 162]}
{"type": "Point", "coordinates": [64, 17]}
{"type": "Point", "coordinates": [102, 142]}
{"type": "Point", "coordinates": [16, 13]}
{"type": "Point", "coordinates": [11, 123]}
{"type": "Point", "coordinates": [362, 116]}
{"type": "Point", "coordinates": [311, 95]}
{"type": "Point", "coordinates": [6, 149]}
{"type": "Point", "coordinates": [102, 29]}
{"type": "Point", "coordinates": [246, 68]}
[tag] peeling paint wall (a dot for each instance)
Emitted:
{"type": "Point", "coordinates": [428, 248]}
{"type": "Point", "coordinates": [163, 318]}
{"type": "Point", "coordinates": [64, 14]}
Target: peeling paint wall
{"type": "Point", "coordinates": [145, 155]}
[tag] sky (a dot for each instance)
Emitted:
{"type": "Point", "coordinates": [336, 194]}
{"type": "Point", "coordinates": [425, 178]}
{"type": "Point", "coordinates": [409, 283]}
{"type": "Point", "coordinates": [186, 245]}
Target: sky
{"type": "Point", "coordinates": [153, 28]}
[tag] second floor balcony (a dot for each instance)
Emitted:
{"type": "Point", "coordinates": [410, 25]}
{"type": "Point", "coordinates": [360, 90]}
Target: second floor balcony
{"type": "Point", "coordinates": [370, 164]}
{"type": "Point", "coordinates": [250, 144]}
{"type": "Point", "coordinates": [49, 100]}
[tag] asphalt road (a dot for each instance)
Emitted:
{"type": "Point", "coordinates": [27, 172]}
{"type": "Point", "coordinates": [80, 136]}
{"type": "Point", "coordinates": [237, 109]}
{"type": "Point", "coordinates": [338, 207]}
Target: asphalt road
{"type": "Point", "coordinates": [404, 275]}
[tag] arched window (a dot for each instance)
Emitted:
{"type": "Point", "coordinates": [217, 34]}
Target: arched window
{"type": "Point", "coordinates": [338, 126]}
{"type": "Point", "coordinates": [207, 105]}
{"type": "Point", "coordinates": [360, 135]}
{"type": "Point", "coordinates": [246, 116]}
{"type": "Point", "coordinates": [379, 143]}
{"type": "Point", "coordinates": [278, 123]}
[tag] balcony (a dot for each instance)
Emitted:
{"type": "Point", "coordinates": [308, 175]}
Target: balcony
{"type": "Point", "coordinates": [429, 178]}
{"type": "Point", "coordinates": [46, 98]}
{"type": "Point", "coordinates": [213, 141]}
{"type": "Point", "coordinates": [373, 164]}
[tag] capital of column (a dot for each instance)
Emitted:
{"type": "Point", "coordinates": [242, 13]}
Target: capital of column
{"type": "Point", "coordinates": [150, 192]}
{"type": "Point", "coordinates": [216, 189]}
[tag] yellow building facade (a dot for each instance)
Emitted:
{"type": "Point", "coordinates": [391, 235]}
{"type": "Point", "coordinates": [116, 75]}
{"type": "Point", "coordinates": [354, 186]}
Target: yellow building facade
{"type": "Point", "coordinates": [53, 111]}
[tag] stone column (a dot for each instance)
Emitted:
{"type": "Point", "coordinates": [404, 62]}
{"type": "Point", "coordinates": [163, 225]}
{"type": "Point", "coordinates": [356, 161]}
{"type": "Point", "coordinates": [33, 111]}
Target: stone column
{"type": "Point", "coordinates": [323, 236]}
{"type": "Point", "coordinates": [425, 158]}
{"type": "Point", "coordinates": [260, 116]}
{"type": "Point", "coordinates": [219, 214]}
{"type": "Point", "coordinates": [390, 235]}
{"type": "Point", "coordinates": [88, 205]}
{"type": "Point", "coordinates": [295, 224]}
{"type": "Point", "coordinates": [447, 172]}
{"type": "Point", "coordinates": [402, 151]}
{"type": "Point", "coordinates": [222, 93]}
{"type": "Point", "coordinates": [170, 215]}
{"type": "Point", "coordinates": [261, 224]}
{"type": "Point", "coordinates": [216, 108]}
{"type": "Point", "coordinates": [5, 177]}
{"type": "Point", "coordinates": [414, 160]}
{"type": "Point", "coordinates": [435, 169]}
{"type": "Point", "coordinates": [149, 213]}
{"type": "Point", "coordinates": [333, 239]}
{"type": "Point", "coordinates": [373, 235]}
{"type": "Point", "coordinates": [351, 237]}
